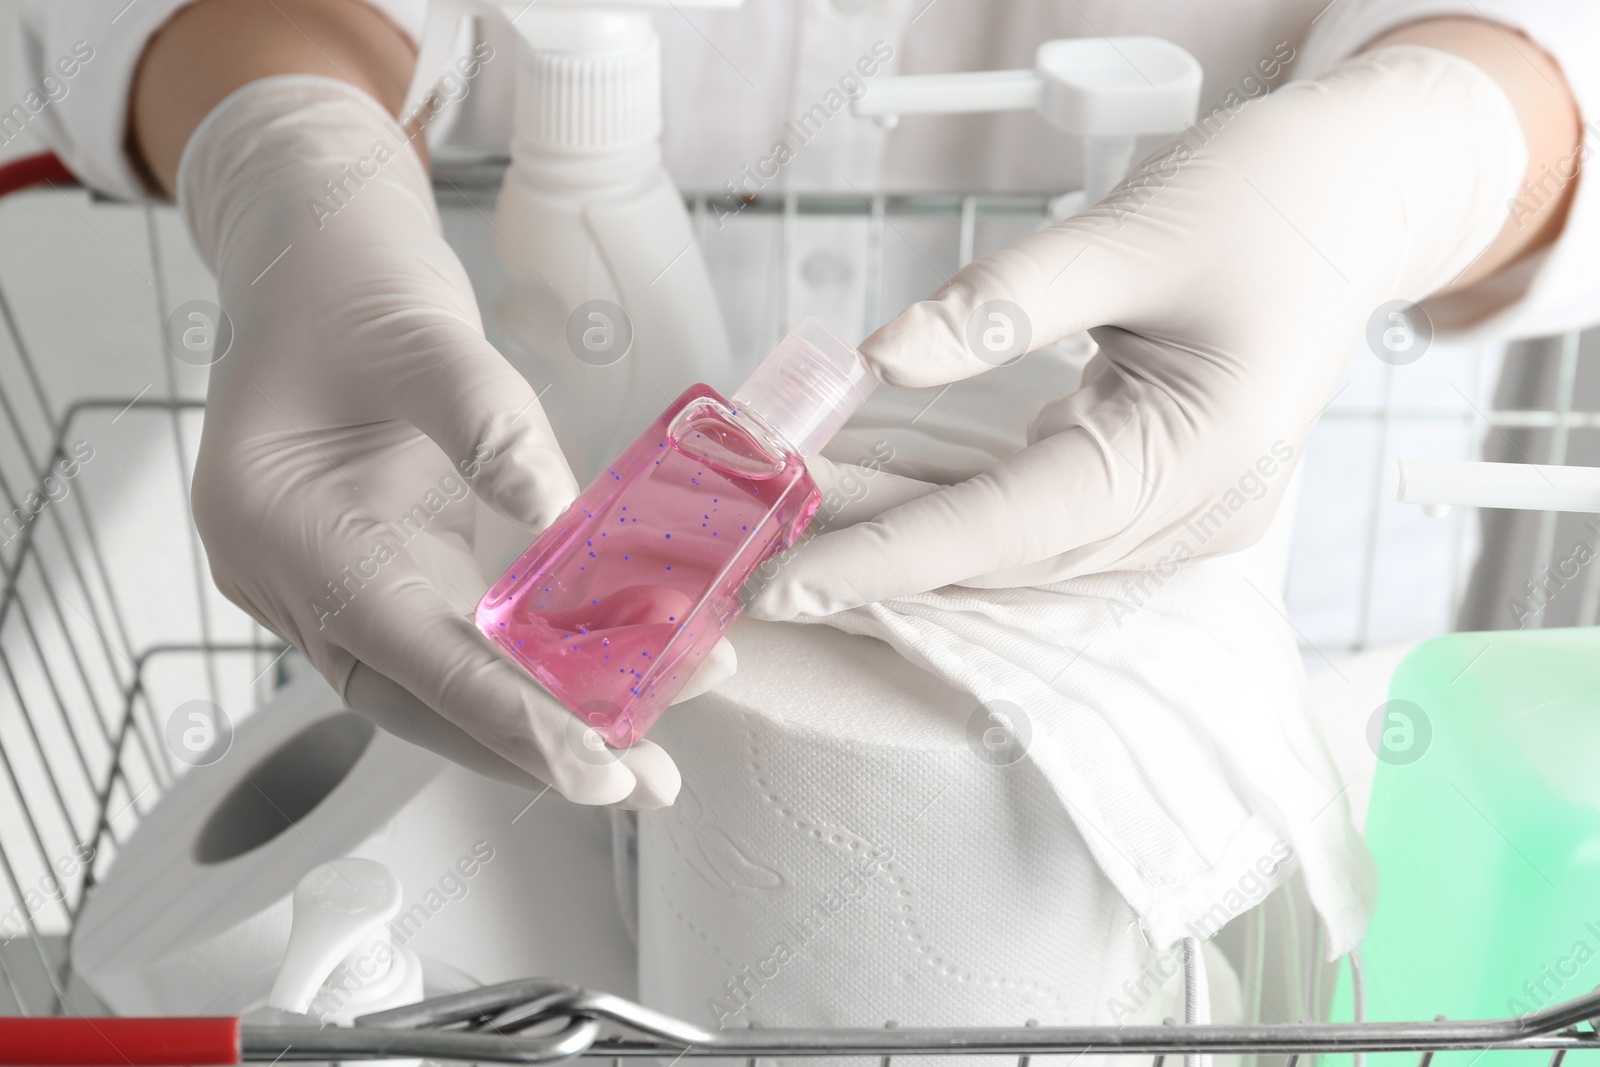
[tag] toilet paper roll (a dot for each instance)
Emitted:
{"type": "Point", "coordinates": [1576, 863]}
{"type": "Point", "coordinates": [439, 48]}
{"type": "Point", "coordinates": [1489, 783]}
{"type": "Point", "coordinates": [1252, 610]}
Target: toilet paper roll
{"type": "Point", "coordinates": [499, 883]}
{"type": "Point", "coordinates": [853, 846]}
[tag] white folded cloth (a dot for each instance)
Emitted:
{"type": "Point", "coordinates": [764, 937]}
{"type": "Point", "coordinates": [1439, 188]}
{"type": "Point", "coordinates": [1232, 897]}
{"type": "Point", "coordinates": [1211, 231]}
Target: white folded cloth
{"type": "Point", "coordinates": [1171, 723]}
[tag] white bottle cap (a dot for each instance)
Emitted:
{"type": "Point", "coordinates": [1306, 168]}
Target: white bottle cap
{"type": "Point", "coordinates": [808, 387]}
{"type": "Point", "coordinates": [341, 914]}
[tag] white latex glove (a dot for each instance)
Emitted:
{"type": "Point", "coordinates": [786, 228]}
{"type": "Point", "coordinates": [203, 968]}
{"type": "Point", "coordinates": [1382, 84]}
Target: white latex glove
{"type": "Point", "coordinates": [1225, 283]}
{"type": "Point", "coordinates": [360, 394]}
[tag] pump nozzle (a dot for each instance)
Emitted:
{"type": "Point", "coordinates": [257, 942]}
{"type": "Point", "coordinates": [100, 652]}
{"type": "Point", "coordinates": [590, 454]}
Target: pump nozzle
{"type": "Point", "coordinates": [341, 914]}
{"type": "Point", "coordinates": [1106, 90]}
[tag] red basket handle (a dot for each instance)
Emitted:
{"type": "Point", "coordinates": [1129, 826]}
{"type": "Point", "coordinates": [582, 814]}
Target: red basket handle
{"type": "Point", "coordinates": [64, 1042]}
{"type": "Point", "coordinates": [37, 169]}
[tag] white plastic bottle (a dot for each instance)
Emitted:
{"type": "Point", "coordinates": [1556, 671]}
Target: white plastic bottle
{"type": "Point", "coordinates": [607, 292]}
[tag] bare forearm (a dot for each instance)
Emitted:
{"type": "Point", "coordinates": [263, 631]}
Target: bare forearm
{"type": "Point", "coordinates": [213, 47]}
{"type": "Point", "coordinates": [1550, 123]}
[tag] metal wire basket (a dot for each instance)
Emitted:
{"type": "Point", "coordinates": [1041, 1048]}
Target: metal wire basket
{"type": "Point", "coordinates": [96, 642]}
{"type": "Point", "coordinates": [539, 1021]}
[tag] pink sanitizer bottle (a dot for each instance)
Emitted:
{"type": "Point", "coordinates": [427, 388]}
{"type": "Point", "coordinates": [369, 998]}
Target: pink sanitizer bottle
{"type": "Point", "coordinates": [616, 604]}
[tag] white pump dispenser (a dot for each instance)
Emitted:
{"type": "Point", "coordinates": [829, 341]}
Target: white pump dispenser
{"type": "Point", "coordinates": [606, 289]}
{"type": "Point", "coordinates": [341, 960]}
{"type": "Point", "coordinates": [1106, 90]}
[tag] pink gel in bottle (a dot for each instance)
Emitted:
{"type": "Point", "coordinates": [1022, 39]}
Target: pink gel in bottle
{"type": "Point", "coordinates": [616, 604]}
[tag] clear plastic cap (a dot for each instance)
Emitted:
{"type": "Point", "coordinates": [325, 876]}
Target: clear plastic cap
{"type": "Point", "coordinates": [808, 387]}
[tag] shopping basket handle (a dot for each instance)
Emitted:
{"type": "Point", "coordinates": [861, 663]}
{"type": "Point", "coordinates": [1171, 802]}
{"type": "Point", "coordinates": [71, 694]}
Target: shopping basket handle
{"type": "Point", "coordinates": [25, 172]}
{"type": "Point", "coordinates": [110, 1042]}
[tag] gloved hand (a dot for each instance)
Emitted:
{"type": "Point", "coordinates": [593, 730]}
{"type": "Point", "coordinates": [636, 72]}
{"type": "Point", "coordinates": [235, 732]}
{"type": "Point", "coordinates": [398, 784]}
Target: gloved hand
{"type": "Point", "coordinates": [358, 402]}
{"type": "Point", "coordinates": [1225, 283]}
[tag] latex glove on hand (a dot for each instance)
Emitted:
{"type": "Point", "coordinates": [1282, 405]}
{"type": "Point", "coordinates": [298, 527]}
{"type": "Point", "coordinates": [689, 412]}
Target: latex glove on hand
{"type": "Point", "coordinates": [1225, 283]}
{"type": "Point", "coordinates": [358, 402]}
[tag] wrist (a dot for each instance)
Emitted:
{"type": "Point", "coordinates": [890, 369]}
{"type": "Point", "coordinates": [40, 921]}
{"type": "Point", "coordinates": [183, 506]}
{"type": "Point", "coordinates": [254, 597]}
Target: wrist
{"type": "Point", "coordinates": [281, 156]}
{"type": "Point", "coordinates": [212, 48]}
{"type": "Point", "coordinates": [1424, 150]}
{"type": "Point", "coordinates": [1547, 114]}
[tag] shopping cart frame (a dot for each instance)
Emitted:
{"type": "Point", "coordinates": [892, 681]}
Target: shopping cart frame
{"type": "Point", "coordinates": [541, 1020]}
{"type": "Point", "coordinates": [493, 1024]}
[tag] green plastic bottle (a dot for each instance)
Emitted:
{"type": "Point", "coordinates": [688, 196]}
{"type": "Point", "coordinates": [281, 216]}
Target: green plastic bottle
{"type": "Point", "coordinates": [1485, 825]}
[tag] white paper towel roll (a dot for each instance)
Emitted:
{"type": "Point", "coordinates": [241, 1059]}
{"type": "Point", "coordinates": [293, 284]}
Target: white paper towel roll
{"type": "Point", "coordinates": [499, 883]}
{"type": "Point", "coordinates": [847, 851]}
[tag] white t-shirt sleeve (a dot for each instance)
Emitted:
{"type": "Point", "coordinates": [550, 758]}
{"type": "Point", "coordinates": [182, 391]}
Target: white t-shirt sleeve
{"type": "Point", "coordinates": [83, 115]}
{"type": "Point", "coordinates": [1557, 289]}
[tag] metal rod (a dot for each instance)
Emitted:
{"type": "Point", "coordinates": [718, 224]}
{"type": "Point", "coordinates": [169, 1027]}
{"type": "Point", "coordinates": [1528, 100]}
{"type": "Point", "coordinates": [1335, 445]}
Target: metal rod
{"type": "Point", "coordinates": [1545, 543]}
{"type": "Point", "coordinates": [29, 547]}
{"type": "Point", "coordinates": [969, 226]}
{"type": "Point", "coordinates": [197, 560]}
{"type": "Point", "coordinates": [872, 306]}
{"type": "Point", "coordinates": [16, 783]}
{"type": "Point", "coordinates": [1515, 419]}
{"type": "Point", "coordinates": [1312, 1009]}
{"type": "Point", "coordinates": [61, 713]}
{"type": "Point", "coordinates": [636, 1031]}
{"type": "Point", "coordinates": [1196, 996]}
{"type": "Point", "coordinates": [6, 868]}
{"type": "Point", "coordinates": [9, 580]}
{"type": "Point", "coordinates": [1458, 541]}
{"type": "Point", "coordinates": [1255, 957]}
{"type": "Point", "coordinates": [1023, 1061]}
{"type": "Point", "coordinates": [1358, 996]}
{"type": "Point", "coordinates": [915, 205]}
{"type": "Point", "coordinates": [11, 984]}
{"type": "Point", "coordinates": [788, 237]}
{"type": "Point", "coordinates": [270, 1043]}
{"type": "Point", "coordinates": [150, 747]}
{"type": "Point", "coordinates": [1369, 559]}
{"type": "Point", "coordinates": [99, 712]}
